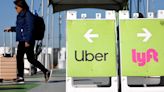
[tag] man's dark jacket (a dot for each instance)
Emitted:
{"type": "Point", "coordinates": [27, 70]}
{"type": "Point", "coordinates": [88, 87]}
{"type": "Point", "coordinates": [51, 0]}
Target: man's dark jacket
{"type": "Point", "coordinates": [25, 27]}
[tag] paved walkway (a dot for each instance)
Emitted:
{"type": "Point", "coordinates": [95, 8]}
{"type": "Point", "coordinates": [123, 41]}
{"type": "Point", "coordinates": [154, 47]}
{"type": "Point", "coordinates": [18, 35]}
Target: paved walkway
{"type": "Point", "coordinates": [56, 83]}
{"type": "Point", "coordinates": [36, 83]}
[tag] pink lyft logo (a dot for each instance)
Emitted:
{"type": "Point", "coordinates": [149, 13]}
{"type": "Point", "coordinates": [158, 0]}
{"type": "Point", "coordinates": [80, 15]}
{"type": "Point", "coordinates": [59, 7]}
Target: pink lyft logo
{"type": "Point", "coordinates": [143, 57]}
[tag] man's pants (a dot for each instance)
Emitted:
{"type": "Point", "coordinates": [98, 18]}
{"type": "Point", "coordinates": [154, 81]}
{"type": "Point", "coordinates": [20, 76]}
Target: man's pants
{"type": "Point", "coordinates": [30, 56]}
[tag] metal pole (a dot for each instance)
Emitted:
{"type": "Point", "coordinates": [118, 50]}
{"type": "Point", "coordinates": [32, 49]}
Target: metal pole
{"type": "Point", "coordinates": [11, 43]}
{"type": "Point", "coordinates": [138, 6]}
{"type": "Point", "coordinates": [59, 30]}
{"type": "Point", "coordinates": [47, 35]}
{"type": "Point", "coordinates": [147, 9]}
{"type": "Point", "coordinates": [32, 6]}
{"type": "Point", "coordinates": [130, 7]}
{"type": "Point", "coordinates": [153, 8]}
{"type": "Point", "coordinates": [32, 10]}
{"type": "Point", "coordinates": [42, 14]}
{"type": "Point", "coordinates": [52, 29]}
{"type": "Point", "coordinates": [60, 22]}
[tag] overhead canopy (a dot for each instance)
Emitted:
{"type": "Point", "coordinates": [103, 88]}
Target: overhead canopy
{"type": "Point", "coordinates": [60, 5]}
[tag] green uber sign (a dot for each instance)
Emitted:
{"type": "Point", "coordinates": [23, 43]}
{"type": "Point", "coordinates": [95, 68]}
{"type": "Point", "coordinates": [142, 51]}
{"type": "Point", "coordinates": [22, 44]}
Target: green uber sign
{"type": "Point", "coordinates": [142, 47]}
{"type": "Point", "coordinates": [91, 48]}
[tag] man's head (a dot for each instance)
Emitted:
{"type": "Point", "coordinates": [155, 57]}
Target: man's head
{"type": "Point", "coordinates": [20, 5]}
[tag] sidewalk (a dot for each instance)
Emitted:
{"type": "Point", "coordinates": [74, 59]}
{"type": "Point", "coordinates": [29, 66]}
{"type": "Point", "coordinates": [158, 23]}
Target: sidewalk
{"type": "Point", "coordinates": [36, 83]}
{"type": "Point", "coordinates": [55, 84]}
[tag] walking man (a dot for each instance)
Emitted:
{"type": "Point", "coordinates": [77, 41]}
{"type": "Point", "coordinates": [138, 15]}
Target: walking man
{"type": "Point", "coordinates": [24, 36]}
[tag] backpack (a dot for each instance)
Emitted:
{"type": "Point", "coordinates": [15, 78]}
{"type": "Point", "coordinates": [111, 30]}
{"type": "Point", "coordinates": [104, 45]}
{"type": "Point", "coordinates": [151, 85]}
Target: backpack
{"type": "Point", "coordinates": [39, 28]}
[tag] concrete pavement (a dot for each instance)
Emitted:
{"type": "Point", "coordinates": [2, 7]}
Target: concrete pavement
{"type": "Point", "coordinates": [55, 84]}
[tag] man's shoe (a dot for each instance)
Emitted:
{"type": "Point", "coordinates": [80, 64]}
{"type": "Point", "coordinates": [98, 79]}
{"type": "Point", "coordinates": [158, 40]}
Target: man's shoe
{"type": "Point", "coordinates": [47, 76]}
{"type": "Point", "coordinates": [19, 80]}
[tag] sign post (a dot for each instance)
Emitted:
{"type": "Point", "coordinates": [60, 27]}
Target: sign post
{"type": "Point", "coordinates": [141, 47]}
{"type": "Point", "coordinates": [91, 52]}
{"type": "Point", "coordinates": [91, 46]}
{"type": "Point", "coordinates": [142, 52]}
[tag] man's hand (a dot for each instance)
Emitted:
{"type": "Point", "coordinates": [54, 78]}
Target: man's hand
{"type": "Point", "coordinates": [27, 44]}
